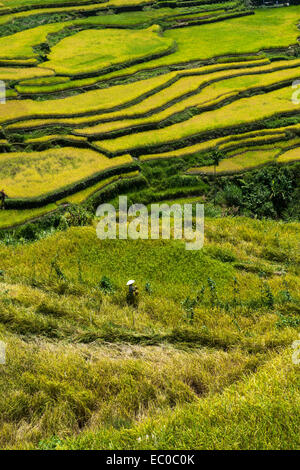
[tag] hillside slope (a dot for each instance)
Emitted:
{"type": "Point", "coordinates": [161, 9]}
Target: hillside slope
{"type": "Point", "coordinates": [212, 334]}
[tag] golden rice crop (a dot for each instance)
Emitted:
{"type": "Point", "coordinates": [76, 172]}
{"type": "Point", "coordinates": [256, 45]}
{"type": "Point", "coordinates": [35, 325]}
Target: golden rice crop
{"type": "Point", "coordinates": [161, 97]}
{"type": "Point", "coordinates": [290, 156]}
{"type": "Point", "coordinates": [86, 193]}
{"type": "Point", "coordinates": [47, 138]}
{"type": "Point", "coordinates": [11, 217]}
{"type": "Point", "coordinates": [14, 217]}
{"type": "Point", "coordinates": [240, 162]}
{"type": "Point", "coordinates": [100, 49]}
{"type": "Point", "coordinates": [83, 82]}
{"type": "Point", "coordinates": [89, 102]}
{"type": "Point", "coordinates": [221, 142]}
{"type": "Point", "coordinates": [264, 30]}
{"type": "Point", "coordinates": [224, 87]}
{"type": "Point", "coordinates": [21, 73]}
{"type": "Point", "coordinates": [36, 173]}
{"type": "Point", "coordinates": [264, 139]}
{"type": "Point", "coordinates": [20, 45]}
{"type": "Point", "coordinates": [234, 114]}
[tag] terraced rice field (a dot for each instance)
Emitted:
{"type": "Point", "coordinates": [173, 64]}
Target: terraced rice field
{"type": "Point", "coordinates": [37, 173]}
{"type": "Point", "coordinates": [150, 83]}
{"type": "Point", "coordinates": [164, 101]}
{"type": "Point", "coordinates": [118, 47]}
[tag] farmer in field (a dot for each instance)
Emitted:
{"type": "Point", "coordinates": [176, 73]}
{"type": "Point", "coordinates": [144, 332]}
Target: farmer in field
{"type": "Point", "coordinates": [3, 196]}
{"type": "Point", "coordinates": [133, 293]}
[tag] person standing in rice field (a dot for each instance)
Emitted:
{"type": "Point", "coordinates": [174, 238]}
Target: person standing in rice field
{"type": "Point", "coordinates": [3, 196]}
{"type": "Point", "coordinates": [133, 293]}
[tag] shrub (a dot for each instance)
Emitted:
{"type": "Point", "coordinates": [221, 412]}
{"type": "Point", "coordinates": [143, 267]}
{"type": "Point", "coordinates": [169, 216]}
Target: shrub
{"type": "Point", "coordinates": [212, 211]}
{"type": "Point", "coordinates": [77, 216]}
{"type": "Point", "coordinates": [28, 232]}
{"type": "Point", "coordinates": [268, 192]}
{"type": "Point", "coordinates": [106, 285]}
{"type": "Point", "coordinates": [233, 195]}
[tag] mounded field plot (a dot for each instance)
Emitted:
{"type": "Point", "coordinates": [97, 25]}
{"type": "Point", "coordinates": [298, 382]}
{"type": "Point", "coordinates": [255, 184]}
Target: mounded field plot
{"type": "Point", "coordinates": [101, 49]}
{"type": "Point", "coordinates": [241, 35]}
{"type": "Point", "coordinates": [267, 29]}
{"type": "Point", "coordinates": [12, 217]}
{"type": "Point", "coordinates": [28, 175]}
{"type": "Point", "coordinates": [91, 102]}
{"type": "Point", "coordinates": [290, 156]}
{"type": "Point", "coordinates": [20, 45]}
{"type": "Point", "coordinates": [14, 73]}
{"type": "Point", "coordinates": [240, 162]}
